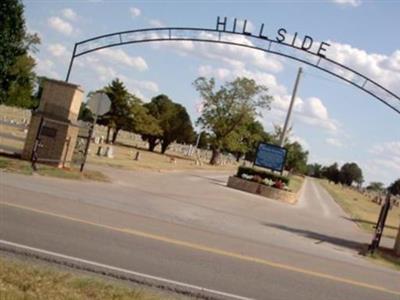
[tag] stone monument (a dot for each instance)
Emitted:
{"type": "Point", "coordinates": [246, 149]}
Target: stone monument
{"type": "Point", "coordinates": [54, 124]}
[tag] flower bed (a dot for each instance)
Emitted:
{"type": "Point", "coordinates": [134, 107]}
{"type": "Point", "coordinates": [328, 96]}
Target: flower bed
{"type": "Point", "coordinates": [262, 189]}
{"type": "Point", "coordinates": [269, 177]}
{"type": "Point", "coordinates": [263, 177]}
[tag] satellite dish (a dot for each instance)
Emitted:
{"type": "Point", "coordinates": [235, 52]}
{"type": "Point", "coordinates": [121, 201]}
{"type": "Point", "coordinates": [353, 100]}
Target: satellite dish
{"type": "Point", "coordinates": [99, 104]}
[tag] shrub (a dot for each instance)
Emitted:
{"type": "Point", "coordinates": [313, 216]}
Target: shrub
{"type": "Point", "coordinates": [263, 174]}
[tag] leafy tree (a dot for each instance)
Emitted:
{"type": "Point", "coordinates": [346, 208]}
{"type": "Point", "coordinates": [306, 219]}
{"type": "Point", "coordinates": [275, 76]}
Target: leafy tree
{"type": "Point", "coordinates": [314, 170]}
{"type": "Point", "coordinates": [229, 108]}
{"type": "Point", "coordinates": [376, 186]}
{"type": "Point", "coordinates": [332, 173]}
{"type": "Point", "coordinates": [204, 141]}
{"type": "Point", "coordinates": [173, 120]}
{"type": "Point", "coordinates": [246, 138]}
{"type": "Point", "coordinates": [17, 78]}
{"type": "Point", "coordinates": [141, 121]}
{"type": "Point", "coordinates": [119, 115]}
{"type": "Point", "coordinates": [276, 135]}
{"type": "Point", "coordinates": [296, 159]}
{"type": "Point", "coordinates": [258, 137]}
{"type": "Point", "coordinates": [349, 173]}
{"type": "Point", "coordinates": [85, 114]}
{"type": "Point", "coordinates": [394, 188]}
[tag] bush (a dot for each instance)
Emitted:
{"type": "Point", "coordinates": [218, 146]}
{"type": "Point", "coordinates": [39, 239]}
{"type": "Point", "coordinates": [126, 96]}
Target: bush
{"type": "Point", "coordinates": [262, 174]}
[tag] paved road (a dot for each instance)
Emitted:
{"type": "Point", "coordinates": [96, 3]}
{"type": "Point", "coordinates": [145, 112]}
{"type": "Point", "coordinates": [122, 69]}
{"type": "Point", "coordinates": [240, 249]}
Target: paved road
{"type": "Point", "coordinates": [190, 228]}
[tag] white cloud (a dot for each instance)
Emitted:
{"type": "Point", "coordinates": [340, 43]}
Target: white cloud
{"type": "Point", "coordinates": [156, 23]}
{"type": "Point", "coordinates": [135, 12]}
{"type": "Point", "coordinates": [57, 50]}
{"type": "Point", "coordinates": [105, 73]}
{"type": "Point", "coordinates": [334, 142]}
{"type": "Point", "coordinates": [69, 14]}
{"type": "Point", "coordinates": [46, 67]}
{"type": "Point", "coordinates": [60, 25]}
{"type": "Point", "coordinates": [389, 149]}
{"type": "Point", "coordinates": [384, 165]}
{"type": "Point", "coordinates": [313, 112]}
{"type": "Point", "coordinates": [120, 56]}
{"type": "Point", "coordinates": [353, 3]}
{"type": "Point", "coordinates": [300, 140]}
{"type": "Point", "coordinates": [384, 69]}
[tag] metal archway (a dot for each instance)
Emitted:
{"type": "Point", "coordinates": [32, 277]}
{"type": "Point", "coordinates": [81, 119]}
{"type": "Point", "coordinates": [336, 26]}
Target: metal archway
{"type": "Point", "coordinates": [251, 41]}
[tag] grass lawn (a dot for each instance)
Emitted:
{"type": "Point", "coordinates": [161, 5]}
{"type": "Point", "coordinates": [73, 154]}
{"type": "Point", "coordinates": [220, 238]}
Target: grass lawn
{"type": "Point", "coordinates": [295, 183]}
{"type": "Point", "coordinates": [386, 257]}
{"type": "Point", "coordinates": [362, 210]}
{"type": "Point", "coordinates": [23, 280]}
{"type": "Point", "coordinates": [14, 165]}
{"type": "Point", "coordinates": [124, 158]}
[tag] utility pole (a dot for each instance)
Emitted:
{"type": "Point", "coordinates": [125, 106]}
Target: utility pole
{"type": "Point", "coordinates": [282, 138]}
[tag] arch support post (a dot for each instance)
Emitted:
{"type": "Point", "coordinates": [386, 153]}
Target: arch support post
{"type": "Point", "coordinates": [70, 64]}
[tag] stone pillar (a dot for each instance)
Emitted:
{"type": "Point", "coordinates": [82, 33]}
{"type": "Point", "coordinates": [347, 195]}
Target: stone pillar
{"type": "Point", "coordinates": [59, 108]}
{"type": "Point", "coordinates": [397, 244]}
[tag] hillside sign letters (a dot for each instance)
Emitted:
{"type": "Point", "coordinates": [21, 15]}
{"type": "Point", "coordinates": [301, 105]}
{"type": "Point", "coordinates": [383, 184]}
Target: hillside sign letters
{"type": "Point", "coordinates": [306, 43]}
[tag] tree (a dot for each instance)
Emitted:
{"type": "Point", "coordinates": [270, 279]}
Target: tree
{"type": "Point", "coordinates": [376, 186]}
{"type": "Point", "coordinates": [85, 114]}
{"type": "Point", "coordinates": [314, 170]}
{"type": "Point", "coordinates": [276, 135]}
{"type": "Point", "coordinates": [173, 120]}
{"type": "Point", "coordinates": [332, 173]}
{"type": "Point", "coordinates": [120, 114]}
{"type": "Point", "coordinates": [245, 139]}
{"type": "Point", "coordinates": [349, 173]}
{"type": "Point", "coordinates": [229, 108]}
{"type": "Point", "coordinates": [296, 159]}
{"type": "Point", "coordinates": [17, 78]}
{"type": "Point", "coordinates": [264, 137]}
{"type": "Point", "coordinates": [394, 188]}
{"type": "Point", "coordinates": [204, 141]}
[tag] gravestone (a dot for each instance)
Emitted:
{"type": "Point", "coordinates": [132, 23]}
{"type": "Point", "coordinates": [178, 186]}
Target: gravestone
{"type": "Point", "coordinates": [109, 152]}
{"type": "Point", "coordinates": [54, 123]}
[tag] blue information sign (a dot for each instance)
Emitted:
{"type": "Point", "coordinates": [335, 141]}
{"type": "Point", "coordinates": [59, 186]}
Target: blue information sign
{"type": "Point", "coordinates": [270, 156]}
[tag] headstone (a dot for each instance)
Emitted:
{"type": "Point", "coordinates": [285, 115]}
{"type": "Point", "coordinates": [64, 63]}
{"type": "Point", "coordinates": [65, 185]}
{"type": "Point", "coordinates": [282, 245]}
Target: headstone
{"type": "Point", "coordinates": [137, 156]}
{"type": "Point", "coordinates": [109, 152]}
{"type": "Point", "coordinates": [99, 151]}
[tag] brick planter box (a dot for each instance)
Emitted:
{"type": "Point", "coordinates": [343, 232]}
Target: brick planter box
{"type": "Point", "coordinates": [261, 189]}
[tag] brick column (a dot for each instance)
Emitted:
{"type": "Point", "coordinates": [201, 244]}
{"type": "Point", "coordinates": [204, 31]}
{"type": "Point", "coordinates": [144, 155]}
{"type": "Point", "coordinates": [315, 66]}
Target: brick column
{"type": "Point", "coordinates": [59, 108]}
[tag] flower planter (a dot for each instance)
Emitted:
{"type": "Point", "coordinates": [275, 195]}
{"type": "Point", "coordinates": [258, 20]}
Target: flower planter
{"type": "Point", "coordinates": [262, 190]}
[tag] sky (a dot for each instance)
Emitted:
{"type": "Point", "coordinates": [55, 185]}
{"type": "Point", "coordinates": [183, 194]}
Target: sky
{"type": "Point", "coordinates": [333, 120]}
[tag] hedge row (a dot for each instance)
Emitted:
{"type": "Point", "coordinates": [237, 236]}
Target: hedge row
{"type": "Point", "coordinates": [262, 174]}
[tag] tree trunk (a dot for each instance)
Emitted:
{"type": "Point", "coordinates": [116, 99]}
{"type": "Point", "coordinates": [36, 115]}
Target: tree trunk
{"type": "Point", "coordinates": [152, 143]}
{"type": "Point", "coordinates": [115, 134]}
{"type": "Point", "coordinates": [238, 156]}
{"type": "Point", "coordinates": [164, 146]}
{"type": "Point", "coordinates": [108, 135]}
{"type": "Point", "coordinates": [215, 156]}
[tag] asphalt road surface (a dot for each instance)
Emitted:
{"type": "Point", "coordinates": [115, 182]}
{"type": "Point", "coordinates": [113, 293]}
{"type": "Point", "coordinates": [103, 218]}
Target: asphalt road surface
{"type": "Point", "coordinates": [190, 228]}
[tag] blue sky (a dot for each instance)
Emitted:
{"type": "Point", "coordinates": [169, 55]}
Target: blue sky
{"type": "Point", "coordinates": [333, 120]}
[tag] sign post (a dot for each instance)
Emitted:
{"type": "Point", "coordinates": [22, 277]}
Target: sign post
{"type": "Point", "coordinates": [380, 225]}
{"type": "Point", "coordinates": [99, 104]}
